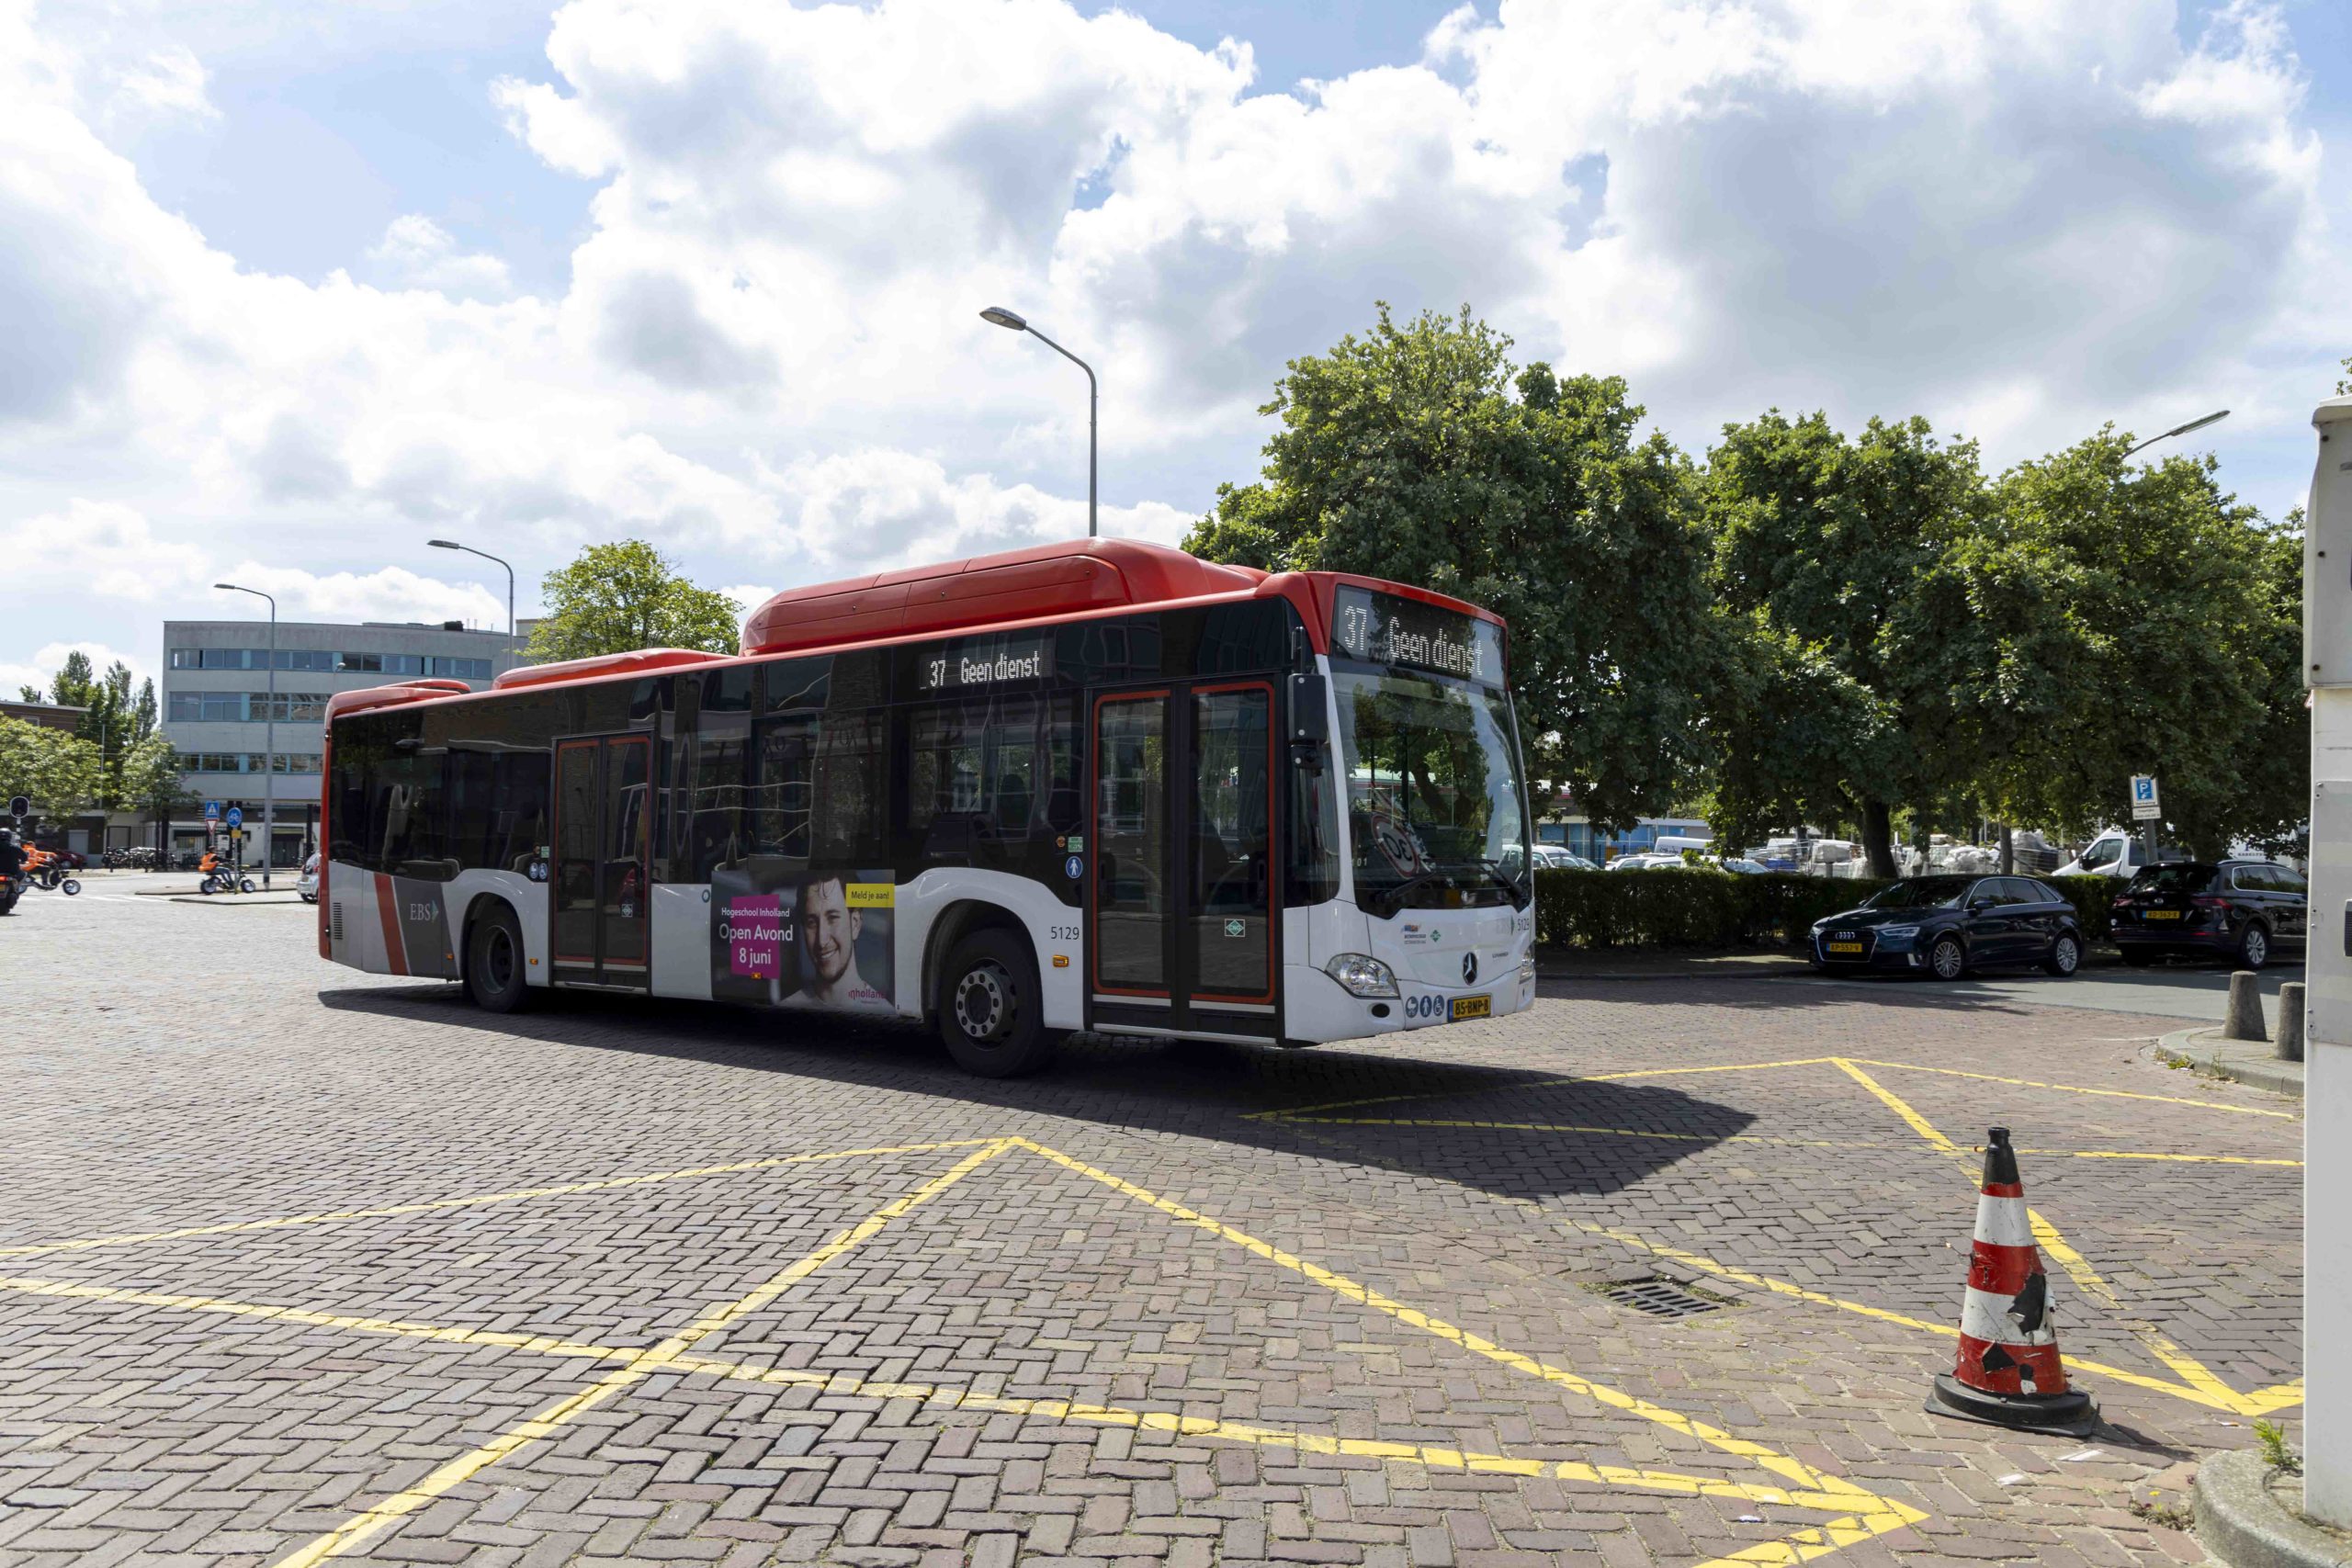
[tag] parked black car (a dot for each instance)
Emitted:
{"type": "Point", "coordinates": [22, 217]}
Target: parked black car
{"type": "Point", "coordinates": [1944, 926]}
{"type": "Point", "coordinates": [2241, 909]}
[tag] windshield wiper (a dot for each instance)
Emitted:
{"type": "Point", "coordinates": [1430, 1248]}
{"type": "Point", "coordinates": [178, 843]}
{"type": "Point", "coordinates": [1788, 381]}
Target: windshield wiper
{"type": "Point", "coordinates": [1396, 895]}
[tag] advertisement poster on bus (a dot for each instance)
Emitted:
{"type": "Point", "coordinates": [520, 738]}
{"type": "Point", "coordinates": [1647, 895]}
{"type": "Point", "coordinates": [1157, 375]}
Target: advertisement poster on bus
{"type": "Point", "coordinates": [811, 938]}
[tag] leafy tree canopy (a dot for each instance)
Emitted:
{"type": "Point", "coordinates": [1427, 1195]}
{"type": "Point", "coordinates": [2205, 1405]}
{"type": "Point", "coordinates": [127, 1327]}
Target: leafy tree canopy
{"type": "Point", "coordinates": [1418, 452]}
{"type": "Point", "coordinates": [1840, 554]}
{"type": "Point", "coordinates": [58, 771]}
{"type": "Point", "coordinates": [2154, 626]}
{"type": "Point", "coordinates": [619, 597]}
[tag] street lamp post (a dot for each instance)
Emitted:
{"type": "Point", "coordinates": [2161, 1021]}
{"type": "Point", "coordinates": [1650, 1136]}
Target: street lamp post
{"type": "Point", "coordinates": [2148, 833]}
{"type": "Point", "coordinates": [1013, 320]}
{"type": "Point", "coordinates": [269, 741]}
{"type": "Point", "coordinates": [453, 544]}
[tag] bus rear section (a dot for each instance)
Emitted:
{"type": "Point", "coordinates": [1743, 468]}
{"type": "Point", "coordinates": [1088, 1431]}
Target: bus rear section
{"type": "Point", "coordinates": [1101, 786]}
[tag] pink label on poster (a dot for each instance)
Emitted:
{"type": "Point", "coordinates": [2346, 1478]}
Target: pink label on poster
{"type": "Point", "coordinates": [755, 936]}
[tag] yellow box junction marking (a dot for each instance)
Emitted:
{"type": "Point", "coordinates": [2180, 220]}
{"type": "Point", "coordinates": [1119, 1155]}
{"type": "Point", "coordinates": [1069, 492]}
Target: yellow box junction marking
{"type": "Point", "coordinates": [1862, 1515]}
{"type": "Point", "coordinates": [421, 1206]}
{"type": "Point", "coordinates": [357, 1530]}
{"type": "Point", "coordinates": [2197, 1382]}
{"type": "Point", "coordinates": [1465, 1122]}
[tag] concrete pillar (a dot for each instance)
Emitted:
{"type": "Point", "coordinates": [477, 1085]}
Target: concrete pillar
{"type": "Point", "coordinates": [2291, 1021]}
{"type": "Point", "coordinates": [2244, 1020]}
{"type": "Point", "coordinates": [2327, 1069]}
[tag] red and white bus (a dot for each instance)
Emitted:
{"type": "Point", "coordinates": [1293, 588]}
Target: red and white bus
{"type": "Point", "coordinates": [1102, 785]}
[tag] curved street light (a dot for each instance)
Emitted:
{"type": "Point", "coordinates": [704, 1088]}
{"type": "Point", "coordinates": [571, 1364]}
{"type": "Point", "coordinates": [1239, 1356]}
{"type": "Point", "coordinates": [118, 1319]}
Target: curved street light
{"type": "Point", "coordinates": [453, 544]}
{"type": "Point", "coordinates": [2217, 415]}
{"type": "Point", "coordinates": [1013, 320]}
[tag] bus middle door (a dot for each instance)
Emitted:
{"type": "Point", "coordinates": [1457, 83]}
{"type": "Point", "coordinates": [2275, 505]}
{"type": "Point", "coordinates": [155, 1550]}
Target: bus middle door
{"type": "Point", "coordinates": [1184, 920]}
{"type": "Point", "coordinates": [600, 889]}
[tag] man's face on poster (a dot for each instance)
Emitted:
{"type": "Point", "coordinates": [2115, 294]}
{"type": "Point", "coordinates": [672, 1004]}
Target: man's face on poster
{"type": "Point", "coordinates": [829, 929]}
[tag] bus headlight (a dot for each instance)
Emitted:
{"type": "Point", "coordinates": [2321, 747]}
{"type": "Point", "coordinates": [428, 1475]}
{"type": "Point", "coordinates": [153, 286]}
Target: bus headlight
{"type": "Point", "coordinates": [1361, 974]}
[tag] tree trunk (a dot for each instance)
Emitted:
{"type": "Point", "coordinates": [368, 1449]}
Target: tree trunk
{"type": "Point", "coordinates": [1878, 837]}
{"type": "Point", "coordinates": [2008, 851]}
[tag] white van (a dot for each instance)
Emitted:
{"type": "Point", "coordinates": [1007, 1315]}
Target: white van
{"type": "Point", "coordinates": [2118, 853]}
{"type": "Point", "coordinates": [1674, 846]}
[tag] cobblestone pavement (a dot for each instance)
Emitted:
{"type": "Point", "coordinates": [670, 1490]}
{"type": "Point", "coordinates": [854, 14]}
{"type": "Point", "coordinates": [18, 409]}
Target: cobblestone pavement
{"type": "Point", "coordinates": [297, 1263]}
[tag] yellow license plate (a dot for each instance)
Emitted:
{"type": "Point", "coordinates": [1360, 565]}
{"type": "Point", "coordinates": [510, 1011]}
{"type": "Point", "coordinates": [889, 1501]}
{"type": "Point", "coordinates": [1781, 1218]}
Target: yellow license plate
{"type": "Point", "coordinates": [1845, 947]}
{"type": "Point", "coordinates": [2160, 915]}
{"type": "Point", "coordinates": [1473, 1007]}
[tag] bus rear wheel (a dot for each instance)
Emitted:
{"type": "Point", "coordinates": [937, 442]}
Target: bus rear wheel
{"type": "Point", "coordinates": [494, 962]}
{"type": "Point", "coordinates": [989, 1016]}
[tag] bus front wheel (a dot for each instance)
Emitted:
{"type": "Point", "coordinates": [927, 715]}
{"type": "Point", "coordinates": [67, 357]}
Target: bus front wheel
{"type": "Point", "coordinates": [494, 961]}
{"type": "Point", "coordinates": [990, 1015]}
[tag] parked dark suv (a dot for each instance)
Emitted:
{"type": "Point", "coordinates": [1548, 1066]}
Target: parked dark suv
{"type": "Point", "coordinates": [2241, 909]}
{"type": "Point", "coordinates": [1945, 926]}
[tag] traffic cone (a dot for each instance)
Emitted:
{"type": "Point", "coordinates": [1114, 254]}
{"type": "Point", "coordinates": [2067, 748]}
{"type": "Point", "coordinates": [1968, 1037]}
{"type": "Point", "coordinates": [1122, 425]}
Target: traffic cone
{"type": "Point", "coordinates": [2008, 1371]}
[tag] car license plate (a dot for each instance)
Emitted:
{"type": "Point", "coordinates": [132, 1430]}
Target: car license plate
{"type": "Point", "coordinates": [2160, 915]}
{"type": "Point", "coordinates": [1845, 947]}
{"type": "Point", "coordinates": [1473, 1007]}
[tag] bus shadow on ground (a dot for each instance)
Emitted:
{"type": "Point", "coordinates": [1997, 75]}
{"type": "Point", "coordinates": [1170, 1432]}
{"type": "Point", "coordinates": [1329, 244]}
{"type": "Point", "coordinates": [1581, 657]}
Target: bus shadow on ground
{"type": "Point", "coordinates": [1238, 1095]}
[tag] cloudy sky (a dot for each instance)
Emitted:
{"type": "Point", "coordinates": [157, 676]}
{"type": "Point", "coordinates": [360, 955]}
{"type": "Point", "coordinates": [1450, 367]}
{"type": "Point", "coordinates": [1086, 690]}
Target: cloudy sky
{"type": "Point", "coordinates": [286, 290]}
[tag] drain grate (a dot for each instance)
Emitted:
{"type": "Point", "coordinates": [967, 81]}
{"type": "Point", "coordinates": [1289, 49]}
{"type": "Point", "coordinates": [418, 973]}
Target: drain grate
{"type": "Point", "coordinates": [1656, 1297]}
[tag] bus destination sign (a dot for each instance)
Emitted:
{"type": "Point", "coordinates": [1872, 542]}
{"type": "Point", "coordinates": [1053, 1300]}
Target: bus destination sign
{"type": "Point", "coordinates": [986, 662]}
{"type": "Point", "coordinates": [1382, 628]}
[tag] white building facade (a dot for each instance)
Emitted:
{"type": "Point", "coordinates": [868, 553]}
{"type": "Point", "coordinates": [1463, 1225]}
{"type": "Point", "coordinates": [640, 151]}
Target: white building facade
{"type": "Point", "coordinates": [215, 708]}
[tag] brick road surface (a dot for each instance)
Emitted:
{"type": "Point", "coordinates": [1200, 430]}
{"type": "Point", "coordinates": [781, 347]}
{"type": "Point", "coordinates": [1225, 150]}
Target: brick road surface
{"type": "Point", "coordinates": [1377, 1322]}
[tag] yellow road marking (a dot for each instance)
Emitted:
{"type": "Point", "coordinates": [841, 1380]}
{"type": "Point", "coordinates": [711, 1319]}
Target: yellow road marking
{"type": "Point", "coordinates": [546, 1345]}
{"type": "Point", "coordinates": [363, 1526]}
{"type": "Point", "coordinates": [1538, 1083]}
{"type": "Point", "coordinates": [1341, 1285]}
{"type": "Point", "coordinates": [1877, 1517]}
{"type": "Point", "coordinates": [2077, 1088]}
{"type": "Point", "coordinates": [1748, 1138]}
{"type": "Point", "coordinates": [844, 1385]}
{"type": "Point", "coordinates": [1567, 1127]}
{"type": "Point", "coordinates": [2180, 1159]}
{"type": "Point", "coordinates": [421, 1206]}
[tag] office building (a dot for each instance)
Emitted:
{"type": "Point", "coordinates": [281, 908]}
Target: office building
{"type": "Point", "coordinates": [215, 702]}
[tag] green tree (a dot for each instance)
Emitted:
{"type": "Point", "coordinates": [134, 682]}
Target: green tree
{"type": "Point", "coordinates": [1419, 454]}
{"type": "Point", "coordinates": [2151, 624]}
{"type": "Point", "coordinates": [143, 713]}
{"type": "Point", "coordinates": [150, 781]}
{"type": "Point", "coordinates": [31, 694]}
{"type": "Point", "coordinates": [59, 772]}
{"type": "Point", "coordinates": [619, 597]}
{"type": "Point", "coordinates": [1842, 552]}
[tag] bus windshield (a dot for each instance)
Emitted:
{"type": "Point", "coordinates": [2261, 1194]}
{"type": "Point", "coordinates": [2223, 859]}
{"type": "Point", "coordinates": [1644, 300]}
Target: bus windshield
{"type": "Point", "coordinates": [1435, 811]}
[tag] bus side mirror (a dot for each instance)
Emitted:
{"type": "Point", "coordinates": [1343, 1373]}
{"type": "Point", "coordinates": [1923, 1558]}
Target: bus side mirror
{"type": "Point", "coordinates": [1310, 709]}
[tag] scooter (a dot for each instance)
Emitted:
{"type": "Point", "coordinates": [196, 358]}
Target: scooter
{"type": "Point", "coordinates": [225, 880]}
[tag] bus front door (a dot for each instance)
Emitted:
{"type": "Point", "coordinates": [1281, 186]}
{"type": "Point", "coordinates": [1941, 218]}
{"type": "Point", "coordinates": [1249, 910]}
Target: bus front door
{"type": "Point", "coordinates": [600, 890]}
{"type": "Point", "coordinates": [1185, 917]}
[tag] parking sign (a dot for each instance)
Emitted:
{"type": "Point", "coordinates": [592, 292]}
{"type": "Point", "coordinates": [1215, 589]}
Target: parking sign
{"type": "Point", "coordinates": [2143, 798]}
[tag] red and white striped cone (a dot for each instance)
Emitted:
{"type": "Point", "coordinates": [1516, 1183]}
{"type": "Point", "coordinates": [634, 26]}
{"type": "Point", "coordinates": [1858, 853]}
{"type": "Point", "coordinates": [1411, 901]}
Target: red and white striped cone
{"type": "Point", "coordinates": [2008, 1371]}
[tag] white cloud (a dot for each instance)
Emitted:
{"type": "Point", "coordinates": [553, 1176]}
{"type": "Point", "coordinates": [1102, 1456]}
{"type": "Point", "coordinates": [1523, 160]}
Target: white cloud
{"type": "Point", "coordinates": [875, 510]}
{"type": "Point", "coordinates": [49, 659]}
{"type": "Point", "coordinates": [2022, 218]}
{"type": "Point", "coordinates": [417, 253]}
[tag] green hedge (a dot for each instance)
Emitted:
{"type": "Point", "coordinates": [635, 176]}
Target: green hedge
{"type": "Point", "coordinates": [1714, 909]}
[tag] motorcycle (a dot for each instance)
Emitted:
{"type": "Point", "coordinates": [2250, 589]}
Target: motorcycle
{"type": "Point", "coordinates": [225, 880]}
{"type": "Point", "coordinates": [49, 872]}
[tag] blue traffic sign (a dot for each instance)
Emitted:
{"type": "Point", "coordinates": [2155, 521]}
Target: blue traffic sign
{"type": "Point", "coordinates": [2144, 788]}
{"type": "Point", "coordinates": [213, 811]}
{"type": "Point", "coordinates": [237, 817]}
